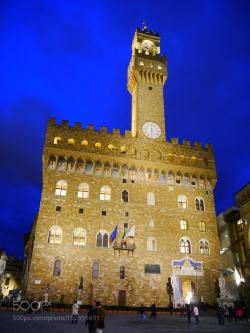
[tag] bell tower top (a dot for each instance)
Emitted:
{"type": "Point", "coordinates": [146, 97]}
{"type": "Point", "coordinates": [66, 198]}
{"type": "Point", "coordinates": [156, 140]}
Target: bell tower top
{"type": "Point", "coordinates": [147, 73]}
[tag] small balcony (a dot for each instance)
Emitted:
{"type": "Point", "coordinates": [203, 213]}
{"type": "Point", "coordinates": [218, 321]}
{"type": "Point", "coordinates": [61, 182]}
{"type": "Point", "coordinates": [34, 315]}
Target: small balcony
{"type": "Point", "coordinates": [124, 246]}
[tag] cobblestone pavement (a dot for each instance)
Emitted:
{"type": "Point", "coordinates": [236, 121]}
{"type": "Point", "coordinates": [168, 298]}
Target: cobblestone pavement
{"type": "Point", "coordinates": [20, 322]}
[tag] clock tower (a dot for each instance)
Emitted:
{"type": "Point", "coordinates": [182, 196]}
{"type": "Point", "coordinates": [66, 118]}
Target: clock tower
{"type": "Point", "coordinates": [147, 73]}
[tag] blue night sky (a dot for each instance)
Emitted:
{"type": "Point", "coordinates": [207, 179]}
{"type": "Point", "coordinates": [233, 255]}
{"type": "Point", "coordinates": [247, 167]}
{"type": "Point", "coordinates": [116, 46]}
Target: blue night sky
{"type": "Point", "coordinates": [68, 60]}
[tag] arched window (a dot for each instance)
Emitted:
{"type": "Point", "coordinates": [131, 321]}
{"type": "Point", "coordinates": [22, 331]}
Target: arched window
{"type": "Point", "coordinates": [79, 165]}
{"type": "Point", "coordinates": [61, 163]}
{"type": "Point", "coordinates": [149, 174]}
{"type": "Point", "coordinates": [84, 143]}
{"type": "Point", "coordinates": [183, 224]}
{"type": "Point", "coordinates": [52, 162]}
{"type": "Point", "coordinates": [105, 193]}
{"type": "Point", "coordinates": [57, 267]}
{"type": "Point", "coordinates": [204, 246]}
{"type": "Point", "coordinates": [88, 167]}
{"type": "Point", "coordinates": [115, 170]}
{"type": "Point", "coordinates": [186, 179]}
{"type": "Point", "coordinates": [151, 223]}
{"type": "Point", "coordinates": [83, 191]}
{"type": "Point", "coordinates": [199, 204]}
{"type": "Point", "coordinates": [178, 178]}
{"type": "Point", "coordinates": [95, 270]}
{"type": "Point", "coordinates": [55, 235]}
{"type": "Point", "coordinates": [132, 174]}
{"type": "Point", "coordinates": [61, 188]}
{"type": "Point", "coordinates": [202, 181]}
{"type": "Point", "coordinates": [79, 236]}
{"type": "Point", "coordinates": [151, 244]}
{"type": "Point", "coordinates": [124, 172]}
{"type": "Point", "coordinates": [162, 177]}
{"type": "Point", "coordinates": [185, 245]}
{"type": "Point", "coordinates": [107, 169]}
{"type": "Point", "coordinates": [141, 174]}
{"type": "Point", "coordinates": [102, 239]}
{"type": "Point", "coordinates": [156, 175]}
{"type": "Point", "coordinates": [125, 196]}
{"type": "Point", "coordinates": [70, 164]}
{"type": "Point", "coordinates": [209, 184]}
{"type": "Point", "coordinates": [202, 226]}
{"type": "Point", "coordinates": [98, 168]}
{"type": "Point", "coordinates": [194, 180]}
{"type": "Point", "coordinates": [57, 140]}
{"type": "Point", "coordinates": [170, 177]}
{"type": "Point", "coordinates": [150, 199]}
{"type": "Point", "coordinates": [182, 201]}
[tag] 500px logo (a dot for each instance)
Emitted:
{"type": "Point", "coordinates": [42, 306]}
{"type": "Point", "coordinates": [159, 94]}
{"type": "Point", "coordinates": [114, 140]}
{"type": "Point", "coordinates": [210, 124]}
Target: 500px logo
{"type": "Point", "coordinates": [26, 305]}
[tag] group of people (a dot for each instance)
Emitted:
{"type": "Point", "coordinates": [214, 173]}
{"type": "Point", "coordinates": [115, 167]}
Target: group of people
{"type": "Point", "coordinates": [94, 318]}
{"type": "Point", "coordinates": [188, 313]}
{"type": "Point", "coordinates": [142, 312]}
{"type": "Point", "coordinates": [232, 314]}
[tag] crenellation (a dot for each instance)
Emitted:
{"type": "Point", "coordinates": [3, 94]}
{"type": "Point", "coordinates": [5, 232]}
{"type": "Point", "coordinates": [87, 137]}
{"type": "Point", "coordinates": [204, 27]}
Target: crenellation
{"type": "Point", "coordinates": [186, 143]}
{"type": "Point", "coordinates": [65, 124]}
{"type": "Point", "coordinates": [198, 145]}
{"type": "Point", "coordinates": [91, 127]}
{"type": "Point", "coordinates": [128, 134]}
{"type": "Point", "coordinates": [103, 129]}
{"type": "Point", "coordinates": [78, 125]}
{"type": "Point", "coordinates": [174, 141]}
{"type": "Point", "coordinates": [116, 132]}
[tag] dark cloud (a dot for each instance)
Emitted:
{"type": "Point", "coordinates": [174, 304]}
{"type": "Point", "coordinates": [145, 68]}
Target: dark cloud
{"type": "Point", "coordinates": [70, 61]}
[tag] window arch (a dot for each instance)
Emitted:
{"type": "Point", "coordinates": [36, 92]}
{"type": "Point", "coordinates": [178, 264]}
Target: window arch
{"type": "Point", "coordinates": [150, 199]}
{"type": "Point", "coordinates": [204, 246]}
{"type": "Point", "coordinates": [88, 167]}
{"type": "Point", "coordinates": [194, 180]}
{"type": "Point", "coordinates": [107, 169]}
{"type": "Point", "coordinates": [170, 177]}
{"type": "Point", "coordinates": [183, 224]}
{"type": "Point", "coordinates": [70, 164]}
{"type": "Point", "coordinates": [83, 191]}
{"type": "Point", "coordinates": [141, 174]}
{"type": "Point", "coordinates": [98, 168]}
{"type": "Point", "coordinates": [125, 196]}
{"type": "Point", "coordinates": [52, 162]}
{"type": "Point", "coordinates": [178, 178]}
{"type": "Point", "coordinates": [61, 163]}
{"type": "Point", "coordinates": [115, 170]}
{"type": "Point", "coordinates": [124, 171]}
{"type": "Point", "coordinates": [132, 173]}
{"type": "Point", "coordinates": [55, 235]}
{"type": "Point", "coordinates": [199, 204]}
{"type": "Point", "coordinates": [79, 236]}
{"type": "Point", "coordinates": [61, 188]}
{"type": "Point", "coordinates": [105, 193]}
{"type": "Point", "coordinates": [102, 239]}
{"type": "Point", "coordinates": [79, 165]}
{"type": "Point", "coordinates": [149, 174]}
{"type": "Point", "coordinates": [202, 226]}
{"type": "Point", "coordinates": [186, 179]}
{"type": "Point", "coordinates": [185, 245]}
{"type": "Point", "coordinates": [95, 270]}
{"type": "Point", "coordinates": [162, 177]}
{"type": "Point", "coordinates": [57, 140]}
{"type": "Point", "coordinates": [202, 181]}
{"type": "Point", "coordinates": [151, 244]}
{"type": "Point", "coordinates": [57, 267]}
{"type": "Point", "coordinates": [182, 201]}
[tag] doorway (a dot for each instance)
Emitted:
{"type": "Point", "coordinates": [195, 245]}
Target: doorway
{"type": "Point", "coordinates": [188, 290]}
{"type": "Point", "coordinates": [122, 298]}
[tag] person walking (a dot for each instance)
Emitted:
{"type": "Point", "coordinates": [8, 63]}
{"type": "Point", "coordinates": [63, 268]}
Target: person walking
{"type": "Point", "coordinates": [153, 311]}
{"type": "Point", "coordinates": [75, 309]}
{"type": "Point", "coordinates": [196, 313]}
{"type": "Point", "coordinates": [91, 318]}
{"type": "Point", "coordinates": [142, 312]}
{"type": "Point", "coordinates": [221, 314]}
{"type": "Point", "coordinates": [100, 318]}
{"type": "Point", "coordinates": [188, 313]}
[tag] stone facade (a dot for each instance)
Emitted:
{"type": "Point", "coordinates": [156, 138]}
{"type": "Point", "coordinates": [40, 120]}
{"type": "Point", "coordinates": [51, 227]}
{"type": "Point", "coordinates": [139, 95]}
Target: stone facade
{"type": "Point", "coordinates": [154, 173]}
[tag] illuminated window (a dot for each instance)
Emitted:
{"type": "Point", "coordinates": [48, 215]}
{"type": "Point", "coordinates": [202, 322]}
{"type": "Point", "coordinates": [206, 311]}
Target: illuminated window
{"type": "Point", "coordinates": [150, 199]}
{"type": "Point", "coordinates": [115, 170]}
{"type": "Point", "coordinates": [186, 179]}
{"type": "Point", "coordinates": [57, 140]}
{"type": "Point", "coordinates": [88, 167]}
{"type": "Point", "coordinates": [151, 244]}
{"type": "Point", "coordinates": [185, 245]}
{"type": "Point", "coordinates": [55, 235]}
{"type": "Point", "coordinates": [240, 225]}
{"type": "Point", "coordinates": [83, 191]}
{"type": "Point", "coordinates": [61, 188]}
{"type": "Point", "coordinates": [79, 237]}
{"type": "Point", "coordinates": [183, 224]}
{"type": "Point", "coordinates": [204, 246]}
{"type": "Point", "coordinates": [70, 164]}
{"type": "Point", "coordinates": [52, 162]}
{"type": "Point", "coordinates": [102, 239]}
{"type": "Point", "coordinates": [105, 193]}
{"type": "Point", "coordinates": [182, 201]}
{"type": "Point", "coordinates": [84, 143]}
{"type": "Point", "coordinates": [202, 226]}
{"type": "Point", "coordinates": [71, 141]}
{"type": "Point", "coordinates": [141, 63]}
{"type": "Point", "coordinates": [159, 67]}
{"type": "Point", "coordinates": [98, 145]}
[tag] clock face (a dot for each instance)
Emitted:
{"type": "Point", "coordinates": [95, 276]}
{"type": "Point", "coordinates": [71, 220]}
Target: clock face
{"type": "Point", "coordinates": [151, 130]}
{"type": "Point", "coordinates": [147, 45]}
